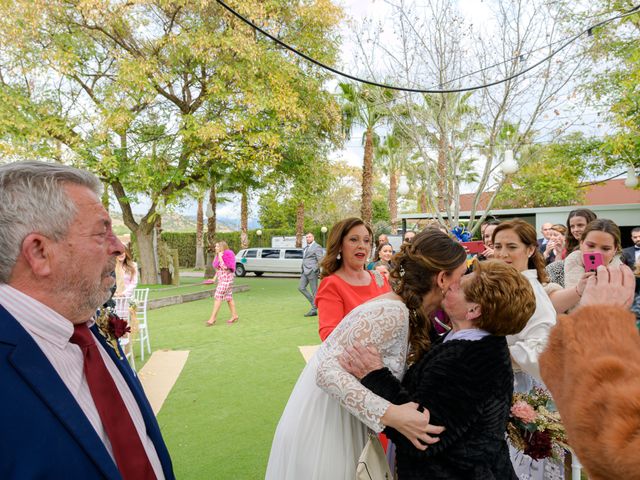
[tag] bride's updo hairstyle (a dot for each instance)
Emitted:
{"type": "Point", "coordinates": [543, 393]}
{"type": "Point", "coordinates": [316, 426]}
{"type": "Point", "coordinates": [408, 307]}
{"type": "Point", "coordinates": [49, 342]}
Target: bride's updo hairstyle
{"type": "Point", "coordinates": [415, 269]}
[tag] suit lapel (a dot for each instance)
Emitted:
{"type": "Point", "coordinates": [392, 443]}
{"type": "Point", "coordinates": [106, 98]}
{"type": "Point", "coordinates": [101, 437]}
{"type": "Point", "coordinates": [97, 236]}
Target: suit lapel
{"type": "Point", "coordinates": [153, 430]}
{"type": "Point", "coordinates": [34, 367]}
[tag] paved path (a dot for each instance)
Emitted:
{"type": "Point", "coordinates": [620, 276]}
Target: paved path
{"type": "Point", "coordinates": [159, 375]}
{"type": "Point", "coordinates": [308, 351]}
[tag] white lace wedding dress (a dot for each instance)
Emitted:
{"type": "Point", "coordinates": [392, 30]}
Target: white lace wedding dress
{"type": "Point", "coordinates": [323, 428]}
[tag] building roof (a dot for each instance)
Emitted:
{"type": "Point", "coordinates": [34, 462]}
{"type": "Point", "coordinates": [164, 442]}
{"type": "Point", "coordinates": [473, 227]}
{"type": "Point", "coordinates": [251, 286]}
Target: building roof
{"type": "Point", "coordinates": [610, 192]}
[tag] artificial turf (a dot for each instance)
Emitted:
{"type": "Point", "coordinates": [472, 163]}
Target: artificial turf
{"type": "Point", "coordinates": [219, 419]}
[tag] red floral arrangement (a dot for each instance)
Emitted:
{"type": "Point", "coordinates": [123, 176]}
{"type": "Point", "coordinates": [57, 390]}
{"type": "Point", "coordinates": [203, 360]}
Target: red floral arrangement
{"type": "Point", "coordinates": [534, 426]}
{"type": "Point", "coordinates": [111, 327]}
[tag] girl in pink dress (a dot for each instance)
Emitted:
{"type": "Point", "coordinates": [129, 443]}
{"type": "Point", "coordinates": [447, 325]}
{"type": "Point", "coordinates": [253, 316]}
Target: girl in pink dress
{"type": "Point", "coordinates": [225, 265]}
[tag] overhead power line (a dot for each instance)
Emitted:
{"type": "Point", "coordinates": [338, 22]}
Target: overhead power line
{"type": "Point", "coordinates": [569, 41]}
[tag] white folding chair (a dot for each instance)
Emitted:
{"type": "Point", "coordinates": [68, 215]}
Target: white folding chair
{"type": "Point", "coordinates": [122, 310]}
{"type": "Point", "coordinates": [140, 297]}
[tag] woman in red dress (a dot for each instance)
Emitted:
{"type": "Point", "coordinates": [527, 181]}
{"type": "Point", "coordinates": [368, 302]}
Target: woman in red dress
{"type": "Point", "coordinates": [345, 281]}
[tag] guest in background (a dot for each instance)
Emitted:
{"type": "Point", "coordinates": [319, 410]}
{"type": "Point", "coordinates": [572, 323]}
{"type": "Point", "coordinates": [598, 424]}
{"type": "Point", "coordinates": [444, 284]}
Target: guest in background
{"type": "Point", "coordinates": [382, 269]}
{"type": "Point", "coordinates": [311, 257]}
{"type": "Point", "coordinates": [542, 242]}
{"type": "Point", "coordinates": [631, 255]}
{"type": "Point", "coordinates": [635, 307]}
{"type": "Point", "coordinates": [601, 235]}
{"type": "Point", "coordinates": [487, 235]}
{"type": "Point", "coordinates": [555, 244]}
{"type": "Point", "coordinates": [126, 275]}
{"type": "Point", "coordinates": [383, 256]}
{"type": "Point", "coordinates": [345, 283]}
{"type": "Point", "coordinates": [576, 223]}
{"type": "Point", "coordinates": [409, 236]}
{"type": "Point", "coordinates": [514, 242]}
{"type": "Point", "coordinates": [383, 239]}
{"type": "Point", "coordinates": [225, 265]}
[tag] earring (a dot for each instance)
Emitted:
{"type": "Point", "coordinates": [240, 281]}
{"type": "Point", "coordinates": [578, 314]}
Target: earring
{"type": "Point", "coordinates": [338, 257]}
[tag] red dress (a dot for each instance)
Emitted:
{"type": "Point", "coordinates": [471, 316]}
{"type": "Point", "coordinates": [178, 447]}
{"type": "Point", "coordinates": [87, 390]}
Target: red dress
{"type": "Point", "coordinates": [336, 298]}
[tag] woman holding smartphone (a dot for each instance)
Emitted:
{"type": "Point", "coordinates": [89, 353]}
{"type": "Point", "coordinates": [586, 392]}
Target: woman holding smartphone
{"type": "Point", "coordinates": [599, 245]}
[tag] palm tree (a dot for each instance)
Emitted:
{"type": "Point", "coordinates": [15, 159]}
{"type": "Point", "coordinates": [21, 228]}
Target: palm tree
{"type": "Point", "coordinates": [390, 156]}
{"type": "Point", "coordinates": [365, 106]}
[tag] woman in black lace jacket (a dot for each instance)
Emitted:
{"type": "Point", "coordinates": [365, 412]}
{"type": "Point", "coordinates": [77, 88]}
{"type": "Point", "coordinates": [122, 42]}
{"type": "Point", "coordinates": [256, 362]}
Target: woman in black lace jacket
{"type": "Point", "coordinates": [465, 381]}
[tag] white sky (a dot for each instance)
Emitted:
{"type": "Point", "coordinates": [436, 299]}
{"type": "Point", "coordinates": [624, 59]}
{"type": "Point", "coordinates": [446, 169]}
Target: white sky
{"type": "Point", "coordinates": [475, 11]}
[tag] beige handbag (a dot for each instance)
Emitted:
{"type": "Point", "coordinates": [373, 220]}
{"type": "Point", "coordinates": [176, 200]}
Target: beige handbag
{"type": "Point", "coordinates": [372, 464]}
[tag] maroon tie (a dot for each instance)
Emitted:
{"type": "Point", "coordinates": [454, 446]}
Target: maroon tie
{"type": "Point", "coordinates": [128, 451]}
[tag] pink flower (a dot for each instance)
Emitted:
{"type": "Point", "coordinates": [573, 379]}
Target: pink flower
{"type": "Point", "coordinates": [523, 411]}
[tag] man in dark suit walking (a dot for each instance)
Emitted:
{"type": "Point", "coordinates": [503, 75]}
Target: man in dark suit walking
{"type": "Point", "coordinates": [311, 258]}
{"type": "Point", "coordinates": [631, 255]}
{"type": "Point", "coordinates": [71, 406]}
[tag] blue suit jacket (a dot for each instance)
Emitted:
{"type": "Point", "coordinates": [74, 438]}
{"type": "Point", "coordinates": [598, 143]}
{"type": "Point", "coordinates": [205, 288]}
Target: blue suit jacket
{"type": "Point", "coordinates": [43, 432]}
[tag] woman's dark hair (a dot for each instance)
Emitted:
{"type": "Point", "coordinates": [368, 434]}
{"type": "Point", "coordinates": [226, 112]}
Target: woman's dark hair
{"type": "Point", "coordinates": [571, 243]}
{"type": "Point", "coordinates": [607, 226]}
{"type": "Point", "coordinates": [376, 258]}
{"type": "Point", "coordinates": [330, 263]}
{"type": "Point", "coordinates": [414, 275]}
{"type": "Point", "coordinates": [527, 235]}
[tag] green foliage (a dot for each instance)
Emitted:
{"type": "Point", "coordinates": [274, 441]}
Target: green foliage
{"type": "Point", "coordinates": [276, 213]}
{"type": "Point", "coordinates": [617, 84]}
{"type": "Point", "coordinates": [552, 175]}
{"type": "Point", "coordinates": [154, 95]}
{"type": "Point", "coordinates": [185, 242]}
{"type": "Point", "coordinates": [380, 211]}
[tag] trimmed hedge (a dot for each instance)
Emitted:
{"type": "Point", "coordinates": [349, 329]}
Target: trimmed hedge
{"type": "Point", "coordinates": [185, 242]}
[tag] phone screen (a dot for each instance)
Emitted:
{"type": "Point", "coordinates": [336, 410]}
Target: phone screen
{"type": "Point", "coordinates": [592, 260]}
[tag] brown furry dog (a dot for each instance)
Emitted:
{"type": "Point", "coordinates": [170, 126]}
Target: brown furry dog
{"type": "Point", "coordinates": [592, 368]}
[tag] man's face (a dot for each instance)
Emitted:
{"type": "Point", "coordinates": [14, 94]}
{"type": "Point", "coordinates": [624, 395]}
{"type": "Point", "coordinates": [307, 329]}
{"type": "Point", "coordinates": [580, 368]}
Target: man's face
{"type": "Point", "coordinates": [546, 230]}
{"type": "Point", "coordinates": [84, 259]}
{"type": "Point", "coordinates": [382, 239]}
{"type": "Point", "coordinates": [635, 238]}
{"type": "Point", "coordinates": [408, 237]}
{"type": "Point", "coordinates": [309, 238]}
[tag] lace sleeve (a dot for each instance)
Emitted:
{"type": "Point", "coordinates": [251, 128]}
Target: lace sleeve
{"type": "Point", "coordinates": [382, 323]}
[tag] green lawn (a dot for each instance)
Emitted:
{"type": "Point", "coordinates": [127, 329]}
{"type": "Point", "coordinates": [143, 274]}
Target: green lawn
{"type": "Point", "coordinates": [219, 419]}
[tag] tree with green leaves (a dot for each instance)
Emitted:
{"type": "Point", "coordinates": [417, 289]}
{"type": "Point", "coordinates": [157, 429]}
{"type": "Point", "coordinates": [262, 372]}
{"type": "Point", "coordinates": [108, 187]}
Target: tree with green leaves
{"type": "Point", "coordinates": [390, 157]}
{"type": "Point", "coordinates": [552, 175]}
{"type": "Point", "coordinates": [156, 95]}
{"type": "Point", "coordinates": [616, 86]}
{"type": "Point", "coordinates": [366, 107]}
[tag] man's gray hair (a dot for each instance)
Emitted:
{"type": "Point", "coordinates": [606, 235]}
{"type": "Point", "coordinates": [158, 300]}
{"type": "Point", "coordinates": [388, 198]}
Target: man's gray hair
{"type": "Point", "coordinates": [32, 199]}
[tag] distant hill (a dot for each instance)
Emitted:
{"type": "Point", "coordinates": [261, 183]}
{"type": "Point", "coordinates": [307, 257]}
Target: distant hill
{"type": "Point", "coordinates": [171, 222]}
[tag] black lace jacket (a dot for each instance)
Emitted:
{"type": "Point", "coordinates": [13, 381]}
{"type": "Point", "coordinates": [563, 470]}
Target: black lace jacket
{"type": "Point", "coordinates": [467, 387]}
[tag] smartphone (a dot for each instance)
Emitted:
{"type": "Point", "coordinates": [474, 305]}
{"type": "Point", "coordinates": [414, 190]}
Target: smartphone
{"type": "Point", "coordinates": [592, 260]}
{"type": "Point", "coordinates": [474, 247]}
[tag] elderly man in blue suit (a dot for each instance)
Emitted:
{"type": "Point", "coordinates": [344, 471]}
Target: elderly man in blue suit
{"type": "Point", "coordinates": [71, 407]}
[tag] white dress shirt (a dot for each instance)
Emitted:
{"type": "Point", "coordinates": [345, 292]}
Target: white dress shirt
{"type": "Point", "coordinates": [52, 332]}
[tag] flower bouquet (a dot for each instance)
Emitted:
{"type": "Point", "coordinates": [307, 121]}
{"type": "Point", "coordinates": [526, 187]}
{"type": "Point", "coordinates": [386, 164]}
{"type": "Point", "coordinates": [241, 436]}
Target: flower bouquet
{"type": "Point", "coordinates": [534, 427]}
{"type": "Point", "coordinates": [111, 327]}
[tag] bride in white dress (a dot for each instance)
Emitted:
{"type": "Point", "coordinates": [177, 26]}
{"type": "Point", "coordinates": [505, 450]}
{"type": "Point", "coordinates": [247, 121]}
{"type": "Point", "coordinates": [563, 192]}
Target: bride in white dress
{"type": "Point", "coordinates": [324, 426]}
